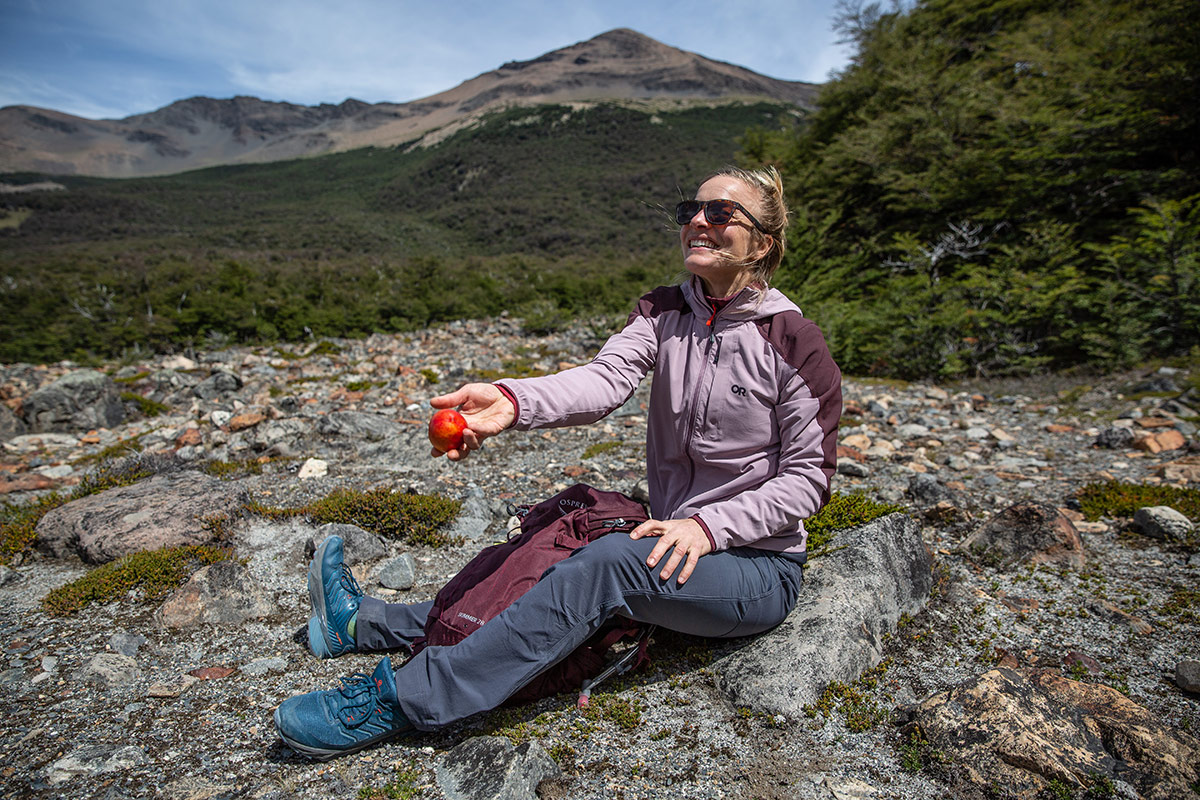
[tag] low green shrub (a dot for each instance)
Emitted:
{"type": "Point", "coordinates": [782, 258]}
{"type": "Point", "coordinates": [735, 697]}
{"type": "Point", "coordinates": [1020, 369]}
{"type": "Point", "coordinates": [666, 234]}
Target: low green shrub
{"type": "Point", "coordinates": [1182, 606]}
{"type": "Point", "coordinates": [116, 450]}
{"type": "Point", "coordinates": [364, 386]}
{"type": "Point", "coordinates": [1116, 499]}
{"type": "Point", "coordinates": [152, 573]}
{"type": "Point", "coordinates": [415, 518]}
{"type": "Point", "coordinates": [519, 367]}
{"type": "Point", "coordinates": [625, 714]}
{"type": "Point", "coordinates": [118, 472]}
{"type": "Point", "coordinates": [324, 348]}
{"type": "Point", "coordinates": [918, 755]}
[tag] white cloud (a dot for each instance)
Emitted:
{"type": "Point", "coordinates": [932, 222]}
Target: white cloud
{"type": "Point", "coordinates": [21, 89]}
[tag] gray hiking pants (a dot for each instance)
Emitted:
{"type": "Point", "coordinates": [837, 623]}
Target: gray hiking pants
{"type": "Point", "coordinates": [732, 593]}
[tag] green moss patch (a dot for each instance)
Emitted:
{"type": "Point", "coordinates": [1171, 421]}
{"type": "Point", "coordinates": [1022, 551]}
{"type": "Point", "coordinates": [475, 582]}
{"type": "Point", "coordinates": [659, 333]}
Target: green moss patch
{"type": "Point", "coordinates": [1116, 499]}
{"type": "Point", "coordinates": [404, 785]}
{"type": "Point", "coordinates": [18, 524]}
{"type": "Point", "coordinates": [364, 386]}
{"type": "Point", "coordinates": [601, 447]}
{"type": "Point", "coordinates": [841, 512]}
{"type": "Point", "coordinates": [625, 714]}
{"type": "Point", "coordinates": [415, 518]}
{"type": "Point", "coordinates": [152, 573]}
{"type": "Point", "coordinates": [115, 451]}
{"type": "Point", "coordinates": [1183, 606]}
{"type": "Point", "coordinates": [520, 367]}
{"type": "Point", "coordinates": [854, 701]}
{"type": "Point", "coordinates": [237, 468]}
{"type": "Point", "coordinates": [147, 407]}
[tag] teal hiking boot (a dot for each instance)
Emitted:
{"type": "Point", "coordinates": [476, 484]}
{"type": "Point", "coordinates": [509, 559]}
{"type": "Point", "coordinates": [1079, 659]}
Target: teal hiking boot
{"type": "Point", "coordinates": [334, 722]}
{"type": "Point", "coordinates": [335, 596]}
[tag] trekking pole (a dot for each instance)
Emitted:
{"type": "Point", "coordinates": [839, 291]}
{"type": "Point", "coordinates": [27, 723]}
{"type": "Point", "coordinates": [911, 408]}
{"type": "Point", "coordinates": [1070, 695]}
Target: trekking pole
{"type": "Point", "coordinates": [618, 667]}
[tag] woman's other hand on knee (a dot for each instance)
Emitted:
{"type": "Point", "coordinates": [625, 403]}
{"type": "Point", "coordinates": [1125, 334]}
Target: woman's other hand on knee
{"type": "Point", "coordinates": [684, 538]}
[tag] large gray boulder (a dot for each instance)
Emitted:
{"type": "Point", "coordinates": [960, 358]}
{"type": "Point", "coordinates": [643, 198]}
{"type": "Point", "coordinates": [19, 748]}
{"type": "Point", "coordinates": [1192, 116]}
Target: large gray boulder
{"type": "Point", "coordinates": [223, 593]}
{"type": "Point", "coordinates": [167, 510]}
{"type": "Point", "coordinates": [91, 760]}
{"type": "Point", "coordinates": [851, 597]}
{"type": "Point", "coordinates": [491, 768]}
{"type": "Point", "coordinates": [358, 425]}
{"type": "Point", "coordinates": [78, 401]}
{"type": "Point", "coordinates": [1163, 522]}
{"type": "Point", "coordinates": [219, 385]}
{"type": "Point", "coordinates": [1023, 729]}
{"type": "Point", "coordinates": [10, 424]}
{"type": "Point", "coordinates": [359, 545]}
{"type": "Point", "coordinates": [1026, 533]}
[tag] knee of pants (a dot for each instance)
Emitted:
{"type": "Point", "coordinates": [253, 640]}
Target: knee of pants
{"type": "Point", "coordinates": [614, 554]}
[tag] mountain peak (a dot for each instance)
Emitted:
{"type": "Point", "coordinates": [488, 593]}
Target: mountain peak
{"type": "Point", "coordinates": [619, 65]}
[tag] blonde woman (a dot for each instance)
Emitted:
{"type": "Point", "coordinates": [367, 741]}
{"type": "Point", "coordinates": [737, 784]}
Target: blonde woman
{"type": "Point", "coordinates": [740, 449]}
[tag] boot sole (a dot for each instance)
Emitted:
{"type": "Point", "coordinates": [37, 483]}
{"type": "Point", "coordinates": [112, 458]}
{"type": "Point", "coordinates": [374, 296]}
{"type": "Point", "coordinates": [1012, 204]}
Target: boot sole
{"type": "Point", "coordinates": [325, 753]}
{"type": "Point", "coordinates": [318, 635]}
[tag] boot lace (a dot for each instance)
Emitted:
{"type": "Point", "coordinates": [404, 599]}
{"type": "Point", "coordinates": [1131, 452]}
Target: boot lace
{"type": "Point", "coordinates": [361, 699]}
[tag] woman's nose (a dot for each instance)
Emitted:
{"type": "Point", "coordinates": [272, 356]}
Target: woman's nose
{"type": "Point", "coordinates": [700, 221]}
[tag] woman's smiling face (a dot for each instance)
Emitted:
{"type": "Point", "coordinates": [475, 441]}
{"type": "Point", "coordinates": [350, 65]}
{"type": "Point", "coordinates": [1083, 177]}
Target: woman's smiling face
{"type": "Point", "coordinates": [720, 255]}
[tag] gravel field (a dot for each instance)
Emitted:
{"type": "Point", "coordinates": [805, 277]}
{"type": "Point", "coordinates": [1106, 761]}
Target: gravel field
{"type": "Point", "coordinates": [109, 703]}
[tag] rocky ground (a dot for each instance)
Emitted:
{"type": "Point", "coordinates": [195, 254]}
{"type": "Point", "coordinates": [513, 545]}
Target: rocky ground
{"type": "Point", "coordinates": [128, 699]}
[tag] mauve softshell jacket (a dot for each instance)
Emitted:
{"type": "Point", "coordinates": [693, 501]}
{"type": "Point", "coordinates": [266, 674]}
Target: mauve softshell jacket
{"type": "Point", "coordinates": [744, 408]}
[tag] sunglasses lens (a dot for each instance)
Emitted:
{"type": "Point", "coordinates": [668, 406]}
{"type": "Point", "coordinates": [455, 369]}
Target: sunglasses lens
{"type": "Point", "coordinates": [685, 211]}
{"type": "Point", "coordinates": [718, 212]}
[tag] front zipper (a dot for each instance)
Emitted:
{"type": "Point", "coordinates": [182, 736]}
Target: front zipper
{"type": "Point", "coordinates": [709, 341]}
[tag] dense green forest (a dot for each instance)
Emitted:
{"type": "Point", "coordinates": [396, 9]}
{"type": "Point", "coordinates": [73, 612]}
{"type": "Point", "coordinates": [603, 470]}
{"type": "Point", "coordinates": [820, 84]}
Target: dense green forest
{"type": "Point", "coordinates": [1001, 186]}
{"type": "Point", "coordinates": [990, 187]}
{"type": "Point", "coordinates": [548, 213]}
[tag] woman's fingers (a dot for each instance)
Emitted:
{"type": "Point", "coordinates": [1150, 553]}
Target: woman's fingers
{"type": "Point", "coordinates": [451, 400]}
{"type": "Point", "coordinates": [685, 540]}
{"type": "Point", "coordinates": [486, 410]}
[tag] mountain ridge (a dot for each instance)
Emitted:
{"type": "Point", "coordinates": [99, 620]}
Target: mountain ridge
{"type": "Point", "coordinates": [617, 66]}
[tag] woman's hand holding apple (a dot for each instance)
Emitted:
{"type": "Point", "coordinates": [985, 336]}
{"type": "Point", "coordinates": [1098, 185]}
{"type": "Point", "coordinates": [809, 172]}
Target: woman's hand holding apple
{"type": "Point", "coordinates": [486, 410]}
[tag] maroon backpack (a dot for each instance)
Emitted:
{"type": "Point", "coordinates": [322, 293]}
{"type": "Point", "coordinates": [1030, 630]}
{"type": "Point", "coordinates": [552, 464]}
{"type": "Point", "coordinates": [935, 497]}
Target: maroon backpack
{"type": "Point", "coordinates": [490, 582]}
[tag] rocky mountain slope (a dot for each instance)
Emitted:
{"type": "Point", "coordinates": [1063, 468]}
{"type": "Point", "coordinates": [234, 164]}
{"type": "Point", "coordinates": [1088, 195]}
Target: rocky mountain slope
{"type": "Point", "coordinates": [1042, 654]}
{"type": "Point", "coordinates": [621, 65]}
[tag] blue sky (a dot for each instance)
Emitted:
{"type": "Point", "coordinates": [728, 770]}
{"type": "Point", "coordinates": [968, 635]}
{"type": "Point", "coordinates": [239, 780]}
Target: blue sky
{"type": "Point", "coordinates": [113, 58]}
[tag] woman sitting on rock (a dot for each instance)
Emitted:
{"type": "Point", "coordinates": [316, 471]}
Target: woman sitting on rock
{"type": "Point", "coordinates": [740, 448]}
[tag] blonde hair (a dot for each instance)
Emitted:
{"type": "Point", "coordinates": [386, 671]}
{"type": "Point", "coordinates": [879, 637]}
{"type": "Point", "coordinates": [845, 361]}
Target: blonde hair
{"type": "Point", "coordinates": [773, 214]}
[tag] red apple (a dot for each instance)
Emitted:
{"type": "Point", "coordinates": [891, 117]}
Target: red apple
{"type": "Point", "coordinates": [446, 430]}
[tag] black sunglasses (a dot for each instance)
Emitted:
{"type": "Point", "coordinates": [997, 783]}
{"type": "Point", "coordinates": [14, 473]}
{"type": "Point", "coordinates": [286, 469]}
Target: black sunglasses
{"type": "Point", "coordinates": [717, 212]}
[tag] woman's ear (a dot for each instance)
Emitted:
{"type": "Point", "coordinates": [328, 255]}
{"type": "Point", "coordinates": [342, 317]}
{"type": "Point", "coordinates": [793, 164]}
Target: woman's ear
{"type": "Point", "coordinates": [764, 247]}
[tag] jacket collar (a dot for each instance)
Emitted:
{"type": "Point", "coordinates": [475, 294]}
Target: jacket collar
{"type": "Point", "coordinates": [750, 303]}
